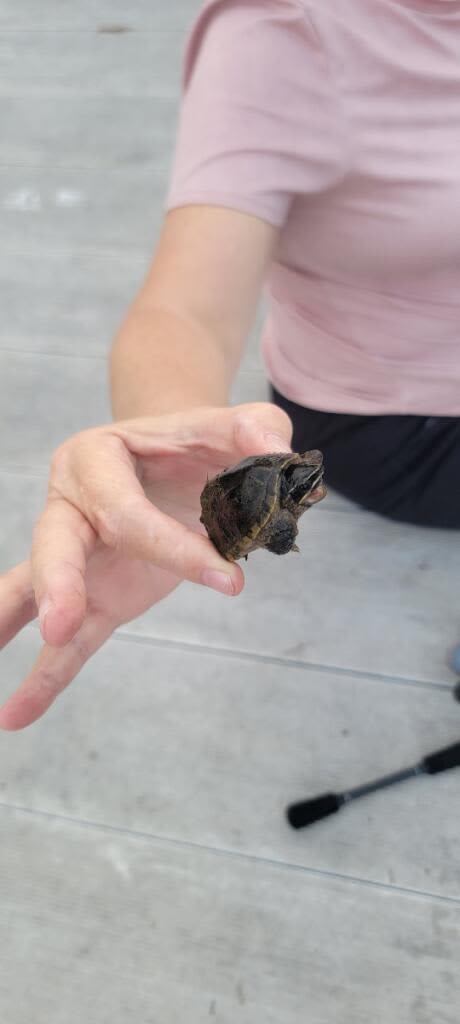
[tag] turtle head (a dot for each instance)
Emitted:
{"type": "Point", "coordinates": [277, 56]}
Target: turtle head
{"type": "Point", "coordinates": [301, 482]}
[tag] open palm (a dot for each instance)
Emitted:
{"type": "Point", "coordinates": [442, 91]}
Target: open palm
{"type": "Point", "coordinates": [119, 532]}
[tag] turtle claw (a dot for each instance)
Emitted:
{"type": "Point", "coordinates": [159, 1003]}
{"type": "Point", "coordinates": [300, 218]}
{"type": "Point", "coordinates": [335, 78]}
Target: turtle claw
{"type": "Point", "coordinates": [295, 548]}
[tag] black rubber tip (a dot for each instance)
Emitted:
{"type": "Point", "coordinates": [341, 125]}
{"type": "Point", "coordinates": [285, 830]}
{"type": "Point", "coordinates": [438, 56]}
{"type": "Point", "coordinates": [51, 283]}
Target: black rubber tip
{"type": "Point", "coordinates": [442, 760]}
{"type": "Point", "coordinates": [305, 813]}
{"type": "Point", "coordinates": [457, 691]}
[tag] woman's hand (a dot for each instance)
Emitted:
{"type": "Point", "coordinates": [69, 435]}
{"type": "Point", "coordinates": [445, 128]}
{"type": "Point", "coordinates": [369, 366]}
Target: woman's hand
{"type": "Point", "coordinates": [119, 531]}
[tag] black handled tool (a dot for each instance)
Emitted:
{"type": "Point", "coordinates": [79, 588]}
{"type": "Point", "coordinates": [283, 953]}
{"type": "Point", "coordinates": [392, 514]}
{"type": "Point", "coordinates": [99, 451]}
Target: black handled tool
{"type": "Point", "coordinates": [308, 811]}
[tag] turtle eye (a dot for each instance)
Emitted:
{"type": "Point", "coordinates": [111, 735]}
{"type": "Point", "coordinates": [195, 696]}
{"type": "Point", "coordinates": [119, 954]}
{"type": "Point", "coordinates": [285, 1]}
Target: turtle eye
{"type": "Point", "coordinates": [298, 481]}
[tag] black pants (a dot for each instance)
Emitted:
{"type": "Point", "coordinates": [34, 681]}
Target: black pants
{"type": "Point", "coordinates": [404, 467]}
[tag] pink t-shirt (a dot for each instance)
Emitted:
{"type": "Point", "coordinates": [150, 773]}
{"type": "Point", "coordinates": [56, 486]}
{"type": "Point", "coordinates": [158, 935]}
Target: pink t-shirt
{"type": "Point", "coordinates": [339, 122]}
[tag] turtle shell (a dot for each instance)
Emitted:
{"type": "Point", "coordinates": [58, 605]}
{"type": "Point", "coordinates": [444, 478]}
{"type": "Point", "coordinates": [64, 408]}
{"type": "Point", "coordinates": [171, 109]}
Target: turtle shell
{"type": "Point", "coordinates": [243, 504]}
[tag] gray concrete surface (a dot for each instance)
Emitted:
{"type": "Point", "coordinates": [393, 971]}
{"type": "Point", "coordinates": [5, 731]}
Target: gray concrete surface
{"type": "Point", "coordinates": [146, 871]}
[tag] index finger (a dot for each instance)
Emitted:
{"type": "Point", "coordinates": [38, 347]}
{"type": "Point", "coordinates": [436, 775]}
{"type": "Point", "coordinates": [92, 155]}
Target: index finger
{"type": "Point", "coordinates": [17, 601]}
{"type": "Point", "coordinates": [63, 542]}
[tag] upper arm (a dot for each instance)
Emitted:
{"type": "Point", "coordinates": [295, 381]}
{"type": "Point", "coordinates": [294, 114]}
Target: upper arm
{"type": "Point", "coordinates": [209, 267]}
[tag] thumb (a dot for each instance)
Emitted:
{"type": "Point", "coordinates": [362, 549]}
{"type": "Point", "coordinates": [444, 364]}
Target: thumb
{"type": "Point", "coordinates": [250, 429]}
{"type": "Point", "coordinates": [261, 427]}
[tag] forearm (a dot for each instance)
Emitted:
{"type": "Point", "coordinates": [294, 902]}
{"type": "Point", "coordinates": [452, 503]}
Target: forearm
{"type": "Point", "coordinates": [161, 363]}
{"type": "Point", "coordinates": [183, 337]}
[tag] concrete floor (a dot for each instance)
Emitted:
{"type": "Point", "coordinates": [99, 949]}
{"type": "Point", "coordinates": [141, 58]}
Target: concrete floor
{"type": "Point", "coordinates": [146, 870]}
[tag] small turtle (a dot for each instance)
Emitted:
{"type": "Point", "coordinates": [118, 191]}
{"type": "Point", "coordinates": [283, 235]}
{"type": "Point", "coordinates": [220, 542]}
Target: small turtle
{"type": "Point", "coordinates": [256, 504]}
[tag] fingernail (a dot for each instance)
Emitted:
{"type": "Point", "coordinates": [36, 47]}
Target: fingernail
{"type": "Point", "coordinates": [277, 443]}
{"type": "Point", "coordinates": [220, 581]}
{"type": "Point", "coordinates": [45, 606]}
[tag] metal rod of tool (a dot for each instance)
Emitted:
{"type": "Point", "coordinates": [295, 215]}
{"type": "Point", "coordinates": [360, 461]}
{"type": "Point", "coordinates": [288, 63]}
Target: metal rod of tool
{"type": "Point", "coordinates": [382, 783]}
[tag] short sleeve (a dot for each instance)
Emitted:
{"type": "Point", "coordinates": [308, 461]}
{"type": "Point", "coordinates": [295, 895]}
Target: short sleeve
{"type": "Point", "coordinates": [260, 121]}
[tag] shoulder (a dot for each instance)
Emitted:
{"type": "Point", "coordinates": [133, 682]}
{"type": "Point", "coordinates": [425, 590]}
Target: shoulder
{"type": "Point", "coordinates": [267, 27]}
